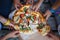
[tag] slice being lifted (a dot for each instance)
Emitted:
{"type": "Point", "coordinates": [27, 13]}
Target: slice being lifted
{"type": "Point", "coordinates": [25, 18]}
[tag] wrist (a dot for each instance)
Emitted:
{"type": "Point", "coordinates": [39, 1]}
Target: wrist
{"type": "Point", "coordinates": [40, 1]}
{"type": "Point", "coordinates": [4, 38]}
{"type": "Point", "coordinates": [7, 22]}
{"type": "Point", "coordinates": [15, 1]}
{"type": "Point", "coordinates": [3, 20]}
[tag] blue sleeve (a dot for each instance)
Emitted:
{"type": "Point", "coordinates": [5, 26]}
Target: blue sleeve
{"type": "Point", "coordinates": [0, 26]}
{"type": "Point", "coordinates": [55, 12]}
{"type": "Point", "coordinates": [52, 11]}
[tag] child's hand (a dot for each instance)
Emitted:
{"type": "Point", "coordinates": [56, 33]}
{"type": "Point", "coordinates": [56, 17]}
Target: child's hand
{"type": "Point", "coordinates": [47, 14]}
{"type": "Point", "coordinates": [52, 36]}
{"type": "Point", "coordinates": [28, 1]}
{"type": "Point", "coordinates": [17, 4]}
{"type": "Point", "coordinates": [11, 35]}
{"type": "Point", "coordinates": [36, 7]}
{"type": "Point", "coordinates": [13, 26]}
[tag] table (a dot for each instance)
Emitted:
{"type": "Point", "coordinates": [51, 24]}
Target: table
{"type": "Point", "coordinates": [37, 36]}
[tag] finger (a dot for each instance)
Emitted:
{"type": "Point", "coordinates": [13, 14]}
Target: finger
{"type": "Point", "coordinates": [33, 7]}
{"type": "Point", "coordinates": [20, 4]}
{"type": "Point", "coordinates": [27, 3]}
{"type": "Point", "coordinates": [16, 7]}
{"type": "Point", "coordinates": [36, 8]}
{"type": "Point", "coordinates": [45, 14]}
{"type": "Point", "coordinates": [47, 17]}
{"type": "Point", "coordinates": [11, 28]}
{"type": "Point", "coordinates": [32, 1]}
{"type": "Point", "coordinates": [52, 35]}
{"type": "Point", "coordinates": [16, 32]}
{"type": "Point", "coordinates": [11, 25]}
{"type": "Point", "coordinates": [16, 36]}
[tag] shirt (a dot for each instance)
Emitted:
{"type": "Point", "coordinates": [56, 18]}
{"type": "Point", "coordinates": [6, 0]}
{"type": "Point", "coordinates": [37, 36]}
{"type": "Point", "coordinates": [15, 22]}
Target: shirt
{"type": "Point", "coordinates": [5, 6]}
{"type": "Point", "coordinates": [58, 9]}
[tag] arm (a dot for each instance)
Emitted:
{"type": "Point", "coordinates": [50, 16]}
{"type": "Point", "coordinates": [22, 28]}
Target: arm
{"type": "Point", "coordinates": [17, 4]}
{"type": "Point", "coordinates": [2, 20]}
{"type": "Point", "coordinates": [6, 22]}
{"type": "Point", "coordinates": [11, 35]}
{"type": "Point", "coordinates": [37, 5]}
{"type": "Point", "coordinates": [20, 38]}
{"type": "Point", "coordinates": [40, 1]}
{"type": "Point", "coordinates": [48, 13]}
{"type": "Point", "coordinates": [28, 1]}
{"type": "Point", "coordinates": [53, 36]}
{"type": "Point", "coordinates": [56, 5]}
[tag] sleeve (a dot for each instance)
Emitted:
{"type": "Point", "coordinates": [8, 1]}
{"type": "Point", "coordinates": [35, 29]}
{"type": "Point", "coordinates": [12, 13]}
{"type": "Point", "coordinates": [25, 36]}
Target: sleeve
{"type": "Point", "coordinates": [0, 26]}
{"type": "Point", "coordinates": [5, 7]}
{"type": "Point", "coordinates": [52, 10]}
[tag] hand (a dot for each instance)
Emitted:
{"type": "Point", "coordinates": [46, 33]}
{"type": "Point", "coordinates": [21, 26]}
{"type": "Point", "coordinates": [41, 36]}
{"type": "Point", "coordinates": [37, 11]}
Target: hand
{"type": "Point", "coordinates": [12, 26]}
{"type": "Point", "coordinates": [36, 7]}
{"type": "Point", "coordinates": [47, 14]}
{"type": "Point", "coordinates": [28, 1]}
{"type": "Point", "coordinates": [11, 35]}
{"type": "Point", "coordinates": [17, 4]}
{"type": "Point", "coordinates": [54, 37]}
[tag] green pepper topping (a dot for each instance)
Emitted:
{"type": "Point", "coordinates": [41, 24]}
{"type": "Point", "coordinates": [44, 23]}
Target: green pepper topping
{"type": "Point", "coordinates": [29, 28]}
{"type": "Point", "coordinates": [41, 25]}
{"type": "Point", "coordinates": [32, 18]}
{"type": "Point", "coordinates": [25, 9]}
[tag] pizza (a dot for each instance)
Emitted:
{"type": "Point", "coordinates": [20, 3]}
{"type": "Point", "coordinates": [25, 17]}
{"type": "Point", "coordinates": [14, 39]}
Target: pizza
{"type": "Point", "coordinates": [25, 18]}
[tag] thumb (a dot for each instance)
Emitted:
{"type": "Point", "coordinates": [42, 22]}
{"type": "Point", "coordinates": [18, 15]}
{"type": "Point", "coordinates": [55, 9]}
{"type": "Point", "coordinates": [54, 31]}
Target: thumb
{"type": "Point", "coordinates": [33, 7]}
{"type": "Point", "coordinates": [36, 9]}
{"type": "Point", "coordinates": [47, 17]}
{"type": "Point", "coordinates": [20, 4]}
{"type": "Point", "coordinates": [16, 32]}
{"type": "Point", "coordinates": [16, 7]}
{"type": "Point", "coordinates": [52, 35]}
{"type": "Point", "coordinates": [11, 24]}
{"type": "Point", "coordinates": [45, 14]}
{"type": "Point", "coordinates": [17, 35]}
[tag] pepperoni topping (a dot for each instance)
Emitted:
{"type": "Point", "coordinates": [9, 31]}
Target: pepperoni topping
{"type": "Point", "coordinates": [21, 15]}
{"type": "Point", "coordinates": [20, 21]}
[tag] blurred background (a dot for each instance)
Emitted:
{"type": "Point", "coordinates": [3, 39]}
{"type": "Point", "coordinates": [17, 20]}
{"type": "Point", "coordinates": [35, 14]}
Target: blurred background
{"type": "Point", "coordinates": [53, 21]}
